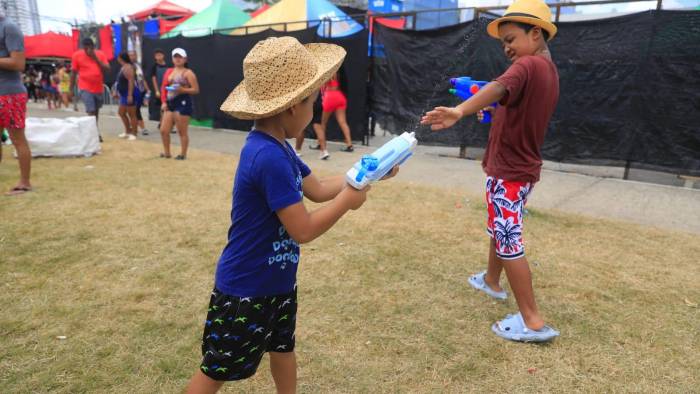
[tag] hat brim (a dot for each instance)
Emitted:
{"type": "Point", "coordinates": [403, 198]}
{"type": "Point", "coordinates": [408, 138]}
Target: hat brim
{"type": "Point", "coordinates": [548, 26]}
{"type": "Point", "coordinates": [238, 104]}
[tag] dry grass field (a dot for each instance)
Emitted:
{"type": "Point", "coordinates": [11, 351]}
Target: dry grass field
{"type": "Point", "coordinates": [106, 269]}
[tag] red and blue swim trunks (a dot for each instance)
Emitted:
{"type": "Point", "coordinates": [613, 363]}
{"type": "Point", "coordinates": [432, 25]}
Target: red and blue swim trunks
{"type": "Point", "coordinates": [505, 202]}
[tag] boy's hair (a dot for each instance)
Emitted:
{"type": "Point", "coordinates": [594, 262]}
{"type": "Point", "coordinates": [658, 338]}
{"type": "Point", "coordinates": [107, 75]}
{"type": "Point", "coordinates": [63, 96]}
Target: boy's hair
{"type": "Point", "coordinates": [527, 28]}
{"type": "Point", "coordinates": [159, 50]}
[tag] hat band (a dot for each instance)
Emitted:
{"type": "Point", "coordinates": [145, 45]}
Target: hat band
{"type": "Point", "coordinates": [522, 14]}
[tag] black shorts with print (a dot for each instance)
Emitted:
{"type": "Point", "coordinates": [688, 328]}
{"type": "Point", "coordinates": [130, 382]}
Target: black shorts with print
{"type": "Point", "coordinates": [240, 330]}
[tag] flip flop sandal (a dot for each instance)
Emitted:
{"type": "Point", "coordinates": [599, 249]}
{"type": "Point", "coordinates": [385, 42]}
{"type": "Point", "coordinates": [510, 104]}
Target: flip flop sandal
{"type": "Point", "coordinates": [180, 157]}
{"type": "Point", "coordinates": [17, 190]}
{"type": "Point", "coordinates": [477, 281]}
{"type": "Point", "coordinates": [513, 328]}
{"type": "Point", "coordinates": [163, 156]}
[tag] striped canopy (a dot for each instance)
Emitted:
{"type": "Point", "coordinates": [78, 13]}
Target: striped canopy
{"type": "Point", "coordinates": [336, 23]}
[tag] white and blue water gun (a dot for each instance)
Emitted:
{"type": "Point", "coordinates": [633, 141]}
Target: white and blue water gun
{"type": "Point", "coordinates": [374, 167]}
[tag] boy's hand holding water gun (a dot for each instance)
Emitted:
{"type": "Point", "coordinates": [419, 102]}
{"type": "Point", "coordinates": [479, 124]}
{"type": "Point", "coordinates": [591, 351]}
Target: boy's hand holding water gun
{"type": "Point", "coordinates": [382, 163]}
{"type": "Point", "coordinates": [444, 117]}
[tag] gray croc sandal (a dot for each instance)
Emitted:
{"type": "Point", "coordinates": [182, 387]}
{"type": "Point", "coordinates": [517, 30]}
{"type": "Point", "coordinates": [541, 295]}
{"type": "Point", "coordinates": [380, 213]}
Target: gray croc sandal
{"type": "Point", "coordinates": [477, 281]}
{"type": "Point", "coordinates": [513, 328]}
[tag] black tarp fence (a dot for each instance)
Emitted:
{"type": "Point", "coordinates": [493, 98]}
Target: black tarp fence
{"type": "Point", "coordinates": [218, 62]}
{"type": "Point", "coordinates": [629, 87]}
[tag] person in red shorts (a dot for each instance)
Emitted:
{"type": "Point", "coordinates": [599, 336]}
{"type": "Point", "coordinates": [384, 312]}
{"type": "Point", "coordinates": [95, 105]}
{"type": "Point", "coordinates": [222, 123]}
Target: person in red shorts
{"type": "Point", "coordinates": [527, 94]}
{"type": "Point", "coordinates": [13, 99]}
{"type": "Point", "coordinates": [334, 103]}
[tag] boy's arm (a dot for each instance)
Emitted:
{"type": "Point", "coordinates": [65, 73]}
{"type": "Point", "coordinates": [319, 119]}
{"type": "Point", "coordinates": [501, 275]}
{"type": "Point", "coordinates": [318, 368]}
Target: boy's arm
{"type": "Point", "coordinates": [322, 190]}
{"type": "Point", "coordinates": [304, 226]}
{"type": "Point", "coordinates": [491, 93]}
{"type": "Point", "coordinates": [325, 189]}
{"type": "Point", "coordinates": [444, 117]}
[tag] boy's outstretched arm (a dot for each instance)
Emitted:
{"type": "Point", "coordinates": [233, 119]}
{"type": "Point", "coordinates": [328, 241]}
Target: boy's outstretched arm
{"type": "Point", "coordinates": [306, 226]}
{"type": "Point", "coordinates": [444, 117]}
{"type": "Point", "coordinates": [325, 189]}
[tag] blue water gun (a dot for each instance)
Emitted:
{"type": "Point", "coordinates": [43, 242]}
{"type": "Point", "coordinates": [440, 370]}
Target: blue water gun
{"type": "Point", "coordinates": [465, 88]}
{"type": "Point", "coordinates": [374, 167]}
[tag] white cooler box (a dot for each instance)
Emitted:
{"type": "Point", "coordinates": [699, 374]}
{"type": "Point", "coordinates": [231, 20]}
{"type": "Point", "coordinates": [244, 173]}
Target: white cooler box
{"type": "Point", "coordinates": [74, 136]}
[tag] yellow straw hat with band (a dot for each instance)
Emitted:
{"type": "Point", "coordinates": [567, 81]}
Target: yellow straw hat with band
{"type": "Point", "coordinates": [531, 12]}
{"type": "Point", "coordinates": [279, 73]}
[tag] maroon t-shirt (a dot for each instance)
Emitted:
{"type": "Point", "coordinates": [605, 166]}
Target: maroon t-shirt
{"type": "Point", "coordinates": [520, 121]}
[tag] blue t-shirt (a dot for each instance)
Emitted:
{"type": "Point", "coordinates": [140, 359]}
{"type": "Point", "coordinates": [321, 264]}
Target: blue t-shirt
{"type": "Point", "coordinates": [260, 258]}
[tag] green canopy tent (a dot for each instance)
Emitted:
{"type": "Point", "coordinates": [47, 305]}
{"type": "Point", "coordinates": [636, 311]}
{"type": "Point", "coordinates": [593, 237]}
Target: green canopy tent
{"type": "Point", "coordinates": [221, 14]}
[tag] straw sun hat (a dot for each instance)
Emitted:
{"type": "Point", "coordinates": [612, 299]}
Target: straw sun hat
{"type": "Point", "coordinates": [532, 12]}
{"type": "Point", "coordinates": [279, 73]}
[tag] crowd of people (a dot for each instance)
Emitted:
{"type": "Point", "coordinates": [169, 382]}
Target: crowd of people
{"type": "Point", "coordinates": [166, 90]}
{"type": "Point", "coordinates": [49, 83]}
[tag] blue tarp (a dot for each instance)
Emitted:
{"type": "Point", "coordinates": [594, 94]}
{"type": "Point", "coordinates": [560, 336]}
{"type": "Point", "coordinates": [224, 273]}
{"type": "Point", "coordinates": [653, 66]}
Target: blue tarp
{"type": "Point", "coordinates": [151, 28]}
{"type": "Point", "coordinates": [338, 26]}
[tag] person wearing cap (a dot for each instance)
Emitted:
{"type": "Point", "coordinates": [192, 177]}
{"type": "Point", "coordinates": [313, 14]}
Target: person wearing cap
{"type": "Point", "coordinates": [527, 94]}
{"type": "Point", "coordinates": [179, 84]}
{"type": "Point", "coordinates": [253, 307]}
{"type": "Point", "coordinates": [90, 65]}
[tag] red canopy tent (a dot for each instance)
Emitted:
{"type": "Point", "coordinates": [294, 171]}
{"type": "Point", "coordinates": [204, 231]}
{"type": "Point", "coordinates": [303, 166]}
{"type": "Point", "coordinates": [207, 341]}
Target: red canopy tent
{"type": "Point", "coordinates": [48, 45]}
{"type": "Point", "coordinates": [170, 15]}
{"type": "Point", "coordinates": [163, 8]}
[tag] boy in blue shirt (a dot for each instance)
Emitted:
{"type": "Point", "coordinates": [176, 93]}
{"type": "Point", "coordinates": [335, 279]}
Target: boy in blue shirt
{"type": "Point", "coordinates": [527, 94]}
{"type": "Point", "coordinates": [253, 305]}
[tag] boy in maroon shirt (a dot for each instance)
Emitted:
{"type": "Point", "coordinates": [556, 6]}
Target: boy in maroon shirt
{"type": "Point", "coordinates": [527, 95]}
